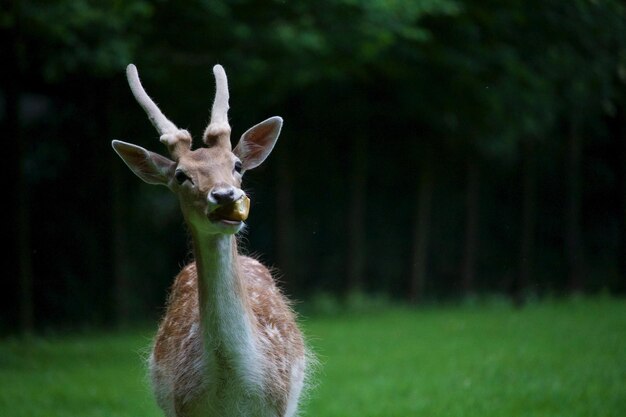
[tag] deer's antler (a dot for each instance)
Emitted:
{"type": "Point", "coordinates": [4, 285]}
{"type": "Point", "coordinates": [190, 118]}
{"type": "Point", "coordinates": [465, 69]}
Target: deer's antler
{"type": "Point", "coordinates": [177, 140]}
{"type": "Point", "coordinates": [218, 130]}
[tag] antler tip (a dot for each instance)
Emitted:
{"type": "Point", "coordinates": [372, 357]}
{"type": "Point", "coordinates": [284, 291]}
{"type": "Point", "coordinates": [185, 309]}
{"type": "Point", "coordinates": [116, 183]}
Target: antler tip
{"type": "Point", "coordinates": [162, 124]}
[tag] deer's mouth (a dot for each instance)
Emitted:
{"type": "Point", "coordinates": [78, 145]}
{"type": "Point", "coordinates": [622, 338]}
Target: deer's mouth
{"type": "Point", "coordinates": [232, 213]}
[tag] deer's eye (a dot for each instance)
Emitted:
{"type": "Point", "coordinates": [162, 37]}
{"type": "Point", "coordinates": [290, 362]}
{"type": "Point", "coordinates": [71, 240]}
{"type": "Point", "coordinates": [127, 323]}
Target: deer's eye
{"type": "Point", "coordinates": [238, 167]}
{"type": "Point", "coordinates": [180, 176]}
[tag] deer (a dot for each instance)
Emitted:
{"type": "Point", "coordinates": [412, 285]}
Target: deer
{"type": "Point", "coordinates": [228, 343]}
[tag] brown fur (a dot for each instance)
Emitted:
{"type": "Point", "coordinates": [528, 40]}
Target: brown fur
{"type": "Point", "coordinates": [278, 334]}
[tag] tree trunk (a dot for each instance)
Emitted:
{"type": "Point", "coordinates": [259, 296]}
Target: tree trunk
{"type": "Point", "coordinates": [419, 256]}
{"type": "Point", "coordinates": [468, 270]}
{"type": "Point", "coordinates": [527, 238]}
{"type": "Point", "coordinates": [16, 144]}
{"type": "Point", "coordinates": [356, 220]}
{"type": "Point", "coordinates": [285, 220]}
{"type": "Point", "coordinates": [618, 127]}
{"type": "Point", "coordinates": [573, 233]}
{"type": "Point", "coordinates": [119, 213]}
{"type": "Point", "coordinates": [120, 262]}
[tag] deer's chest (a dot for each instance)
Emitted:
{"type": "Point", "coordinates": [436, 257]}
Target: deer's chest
{"type": "Point", "coordinates": [195, 381]}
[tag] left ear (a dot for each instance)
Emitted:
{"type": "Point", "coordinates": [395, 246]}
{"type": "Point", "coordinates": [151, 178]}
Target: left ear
{"type": "Point", "coordinates": [149, 166]}
{"type": "Point", "coordinates": [257, 143]}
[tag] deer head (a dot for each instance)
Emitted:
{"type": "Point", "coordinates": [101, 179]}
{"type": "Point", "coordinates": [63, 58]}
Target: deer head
{"type": "Point", "coordinates": [207, 180]}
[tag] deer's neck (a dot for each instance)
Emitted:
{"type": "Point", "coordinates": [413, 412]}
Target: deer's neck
{"type": "Point", "coordinates": [225, 314]}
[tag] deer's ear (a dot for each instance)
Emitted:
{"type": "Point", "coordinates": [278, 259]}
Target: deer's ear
{"type": "Point", "coordinates": [149, 166]}
{"type": "Point", "coordinates": [257, 143]}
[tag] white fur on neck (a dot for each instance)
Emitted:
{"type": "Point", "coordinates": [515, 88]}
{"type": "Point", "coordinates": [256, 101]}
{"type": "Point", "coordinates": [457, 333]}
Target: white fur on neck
{"type": "Point", "coordinates": [226, 322]}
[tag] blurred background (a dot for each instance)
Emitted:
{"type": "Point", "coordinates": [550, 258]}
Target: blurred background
{"type": "Point", "coordinates": [432, 150]}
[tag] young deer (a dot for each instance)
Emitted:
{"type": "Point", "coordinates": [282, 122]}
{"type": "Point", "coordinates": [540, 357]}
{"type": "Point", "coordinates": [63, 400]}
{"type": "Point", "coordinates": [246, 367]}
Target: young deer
{"type": "Point", "coordinates": [228, 344]}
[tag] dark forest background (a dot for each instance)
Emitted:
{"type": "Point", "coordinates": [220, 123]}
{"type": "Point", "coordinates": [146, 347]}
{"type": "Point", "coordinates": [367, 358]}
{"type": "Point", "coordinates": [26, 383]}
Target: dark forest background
{"type": "Point", "coordinates": [432, 150]}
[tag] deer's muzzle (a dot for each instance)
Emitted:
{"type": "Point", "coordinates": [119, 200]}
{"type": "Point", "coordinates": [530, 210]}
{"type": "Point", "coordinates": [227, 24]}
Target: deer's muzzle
{"type": "Point", "coordinates": [236, 211]}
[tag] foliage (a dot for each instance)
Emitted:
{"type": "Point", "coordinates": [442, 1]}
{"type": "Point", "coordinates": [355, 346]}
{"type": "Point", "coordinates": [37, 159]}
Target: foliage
{"type": "Point", "coordinates": [433, 83]}
{"type": "Point", "coordinates": [66, 37]}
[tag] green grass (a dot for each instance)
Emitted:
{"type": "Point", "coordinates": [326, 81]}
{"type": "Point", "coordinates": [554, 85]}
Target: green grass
{"type": "Point", "coordinates": [77, 376]}
{"type": "Point", "coordinates": [552, 359]}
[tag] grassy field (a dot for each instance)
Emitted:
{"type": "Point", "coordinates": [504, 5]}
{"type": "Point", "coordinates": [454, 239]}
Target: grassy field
{"type": "Point", "coordinates": [563, 358]}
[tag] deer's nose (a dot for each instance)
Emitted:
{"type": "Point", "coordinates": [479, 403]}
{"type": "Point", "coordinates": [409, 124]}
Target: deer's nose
{"type": "Point", "coordinates": [224, 195]}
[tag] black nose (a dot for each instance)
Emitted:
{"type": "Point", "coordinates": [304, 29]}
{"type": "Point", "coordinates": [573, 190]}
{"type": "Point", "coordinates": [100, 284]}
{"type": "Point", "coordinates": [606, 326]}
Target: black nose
{"type": "Point", "coordinates": [223, 195]}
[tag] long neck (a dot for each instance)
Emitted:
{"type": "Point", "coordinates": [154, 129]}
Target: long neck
{"type": "Point", "coordinates": [225, 314]}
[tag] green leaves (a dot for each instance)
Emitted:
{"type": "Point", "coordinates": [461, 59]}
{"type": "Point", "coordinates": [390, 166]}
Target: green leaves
{"type": "Point", "coordinates": [70, 36]}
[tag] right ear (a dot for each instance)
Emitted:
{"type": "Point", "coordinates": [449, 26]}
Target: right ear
{"type": "Point", "coordinates": [258, 141]}
{"type": "Point", "coordinates": [149, 166]}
